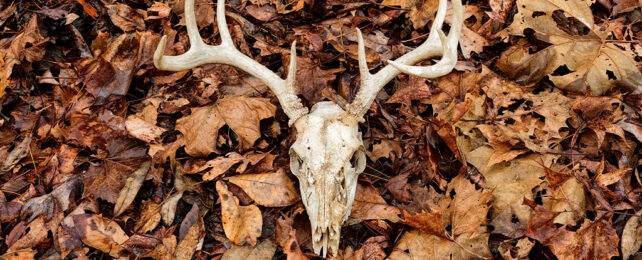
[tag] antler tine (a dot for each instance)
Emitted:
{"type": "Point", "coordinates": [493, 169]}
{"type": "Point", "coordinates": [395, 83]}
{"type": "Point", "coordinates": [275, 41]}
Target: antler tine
{"type": "Point", "coordinates": [436, 44]}
{"type": "Point", "coordinates": [225, 53]}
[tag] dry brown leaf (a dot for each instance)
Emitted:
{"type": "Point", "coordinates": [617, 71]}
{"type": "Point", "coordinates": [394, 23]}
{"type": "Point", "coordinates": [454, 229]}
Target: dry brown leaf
{"type": "Point", "coordinates": [142, 130]}
{"type": "Point", "coordinates": [100, 233]}
{"type": "Point", "coordinates": [150, 217]}
{"type": "Point", "coordinates": [17, 153]}
{"type": "Point", "coordinates": [593, 240]}
{"type": "Point", "coordinates": [126, 18]}
{"type": "Point", "coordinates": [511, 182]}
{"type": "Point", "coordinates": [608, 178]}
{"type": "Point", "coordinates": [594, 64]}
{"type": "Point", "coordinates": [286, 238]}
{"type": "Point", "coordinates": [37, 232]}
{"type": "Point", "coordinates": [90, 10]}
{"type": "Point", "coordinates": [129, 191]}
{"type": "Point", "coordinates": [467, 208]}
{"type": "Point", "coordinates": [168, 208]}
{"type": "Point", "coordinates": [519, 251]}
{"type": "Point", "coordinates": [384, 149]}
{"type": "Point", "coordinates": [241, 114]}
{"type": "Point", "coordinates": [29, 45]}
{"type": "Point", "coordinates": [191, 234]}
{"type": "Point", "coordinates": [430, 223]}
{"type": "Point", "coordinates": [272, 189]}
{"type": "Point", "coordinates": [216, 167]}
{"type": "Point", "coordinates": [368, 204]}
{"type": "Point", "coordinates": [632, 236]}
{"type": "Point", "coordinates": [416, 244]}
{"type": "Point", "coordinates": [241, 223]}
{"type": "Point", "coordinates": [262, 251]}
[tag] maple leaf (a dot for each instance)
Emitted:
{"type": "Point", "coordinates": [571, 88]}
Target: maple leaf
{"type": "Point", "coordinates": [595, 62]}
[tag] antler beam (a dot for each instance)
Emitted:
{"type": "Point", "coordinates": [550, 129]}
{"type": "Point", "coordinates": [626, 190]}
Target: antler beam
{"type": "Point", "coordinates": [437, 44]}
{"type": "Point", "coordinates": [225, 53]}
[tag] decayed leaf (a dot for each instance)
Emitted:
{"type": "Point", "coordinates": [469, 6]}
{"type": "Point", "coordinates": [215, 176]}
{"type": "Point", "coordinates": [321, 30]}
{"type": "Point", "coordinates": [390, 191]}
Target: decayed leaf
{"type": "Point", "coordinates": [216, 166]}
{"type": "Point", "coordinates": [129, 191]}
{"type": "Point", "coordinates": [272, 189]}
{"type": "Point", "coordinates": [241, 114]}
{"type": "Point", "coordinates": [48, 204]}
{"type": "Point", "coordinates": [100, 233]}
{"type": "Point", "coordinates": [511, 182]}
{"type": "Point", "coordinates": [594, 64]}
{"type": "Point", "coordinates": [241, 223]}
{"type": "Point", "coordinates": [368, 204]}
{"type": "Point", "coordinates": [262, 251]}
{"type": "Point", "coordinates": [632, 236]}
{"type": "Point", "coordinates": [29, 44]}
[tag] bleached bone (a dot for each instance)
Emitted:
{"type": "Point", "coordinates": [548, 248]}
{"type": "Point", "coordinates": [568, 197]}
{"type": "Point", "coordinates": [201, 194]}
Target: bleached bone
{"type": "Point", "coordinates": [328, 154]}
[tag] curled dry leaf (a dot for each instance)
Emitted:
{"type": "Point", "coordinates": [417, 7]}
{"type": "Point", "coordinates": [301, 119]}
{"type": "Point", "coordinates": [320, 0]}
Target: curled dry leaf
{"type": "Point", "coordinates": [129, 191]}
{"type": "Point", "coordinates": [271, 189]}
{"type": "Point", "coordinates": [241, 114]}
{"type": "Point", "coordinates": [241, 223]}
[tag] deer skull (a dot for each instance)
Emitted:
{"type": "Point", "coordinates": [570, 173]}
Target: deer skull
{"type": "Point", "coordinates": [328, 154]}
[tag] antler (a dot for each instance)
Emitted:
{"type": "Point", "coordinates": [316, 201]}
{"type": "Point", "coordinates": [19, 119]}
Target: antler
{"type": "Point", "coordinates": [225, 53]}
{"type": "Point", "coordinates": [436, 44]}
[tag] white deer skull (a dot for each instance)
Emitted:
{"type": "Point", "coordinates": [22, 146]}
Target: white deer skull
{"type": "Point", "coordinates": [328, 155]}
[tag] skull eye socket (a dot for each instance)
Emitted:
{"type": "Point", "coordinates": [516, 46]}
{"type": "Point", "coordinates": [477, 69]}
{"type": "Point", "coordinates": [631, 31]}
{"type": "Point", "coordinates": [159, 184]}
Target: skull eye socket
{"type": "Point", "coordinates": [358, 160]}
{"type": "Point", "coordinates": [295, 162]}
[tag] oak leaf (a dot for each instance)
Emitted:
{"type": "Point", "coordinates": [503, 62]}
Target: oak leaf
{"type": "Point", "coordinates": [595, 63]}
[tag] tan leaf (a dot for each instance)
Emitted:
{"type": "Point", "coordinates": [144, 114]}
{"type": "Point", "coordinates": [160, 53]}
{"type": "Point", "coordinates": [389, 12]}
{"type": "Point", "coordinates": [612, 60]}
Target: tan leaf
{"type": "Point", "coordinates": [241, 223]}
{"type": "Point", "coordinates": [594, 65]}
{"type": "Point", "coordinates": [262, 251]}
{"type": "Point", "coordinates": [241, 114]}
{"type": "Point", "coordinates": [272, 189]}
{"type": "Point", "coordinates": [632, 236]}
{"type": "Point", "coordinates": [150, 217]}
{"type": "Point", "coordinates": [129, 191]}
{"type": "Point", "coordinates": [286, 238]}
{"type": "Point", "coordinates": [519, 251]}
{"type": "Point", "coordinates": [511, 182]}
{"type": "Point", "coordinates": [468, 206]}
{"type": "Point", "coordinates": [26, 253]}
{"type": "Point", "coordinates": [606, 179]}
{"type": "Point", "coordinates": [416, 244]}
{"type": "Point", "coordinates": [168, 208]}
{"type": "Point", "coordinates": [143, 130]}
{"type": "Point", "coordinates": [100, 233]}
{"type": "Point", "coordinates": [215, 167]}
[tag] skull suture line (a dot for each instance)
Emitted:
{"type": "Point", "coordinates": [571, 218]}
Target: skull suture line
{"type": "Point", "coordinates": [328, 155]}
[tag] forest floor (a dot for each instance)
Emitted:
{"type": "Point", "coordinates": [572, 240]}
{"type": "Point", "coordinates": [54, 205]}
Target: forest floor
{"type": "Point", "coordinates": [530, 148]}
